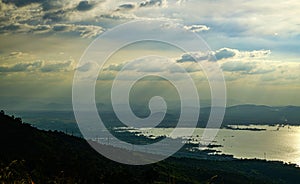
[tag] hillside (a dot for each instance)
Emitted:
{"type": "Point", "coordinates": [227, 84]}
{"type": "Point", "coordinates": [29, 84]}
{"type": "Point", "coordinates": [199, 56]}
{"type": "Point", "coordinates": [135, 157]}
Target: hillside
{"type": "Point", "coordinates": [29, 155]}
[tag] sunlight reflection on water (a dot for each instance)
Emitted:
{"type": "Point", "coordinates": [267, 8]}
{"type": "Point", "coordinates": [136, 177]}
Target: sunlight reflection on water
{"type": "Point", "coordinates": [274, 143]}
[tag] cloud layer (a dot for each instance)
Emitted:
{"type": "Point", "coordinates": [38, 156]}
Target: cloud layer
{"type": "Point", "coordinates": [38, 66]}
{"type": "Point", "coordinates": [223, 53]}
{"type": "Point", "coordinates": [34, 33]}
{"type": "Point", "coordinates": [38, 16]}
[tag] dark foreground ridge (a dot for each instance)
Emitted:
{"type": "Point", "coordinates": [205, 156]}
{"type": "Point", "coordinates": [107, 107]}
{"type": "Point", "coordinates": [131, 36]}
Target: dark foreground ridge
{"type": "Point", "coordinates": [29, 155]}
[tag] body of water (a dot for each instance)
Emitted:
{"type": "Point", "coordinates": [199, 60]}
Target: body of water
{"type": "Point", "coordinates": [264, 142]}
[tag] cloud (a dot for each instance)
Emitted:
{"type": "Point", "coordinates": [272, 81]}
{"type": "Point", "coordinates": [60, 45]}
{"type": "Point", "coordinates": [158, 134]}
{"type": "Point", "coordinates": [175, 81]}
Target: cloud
{"type": "Point", "coordinates": [180, 2]}
{"type": "Point", "coordinates": [127, 6]}
{"type": "Point", "coordinates": [139, 65]}
{"type": "Point", "coordinates": [232, 61]}
{"type": "Point", "coordinates": [85, 31]}
{"type": "Point", "coordinates": [106, 76]}
{"type": "Point", "coordinates": [32, 17]}
{"type": "Point", "coordinates": [80, 5]}
{"type": "Point", "coordinates": [242, 19]}
{"type": "Point", "coordinates": [17, 54]}
{"type": "Point", "coordinates": [194, 57]}
{"type": "Point", "coordinates": [115, 67]}
{"type": "Point", "coordinates": [225, 53]}
{"type": "Point", "coordinates": [197, 28]}
{"type": "Point", "coordinates": [41, 66]}
{"type": "Point", "coordinates": [143, 4]}
{"type": "Point", "coordinates": [153, 3]}
{"type": "Point", "coordinates": [84, 6]}
{"type": "Point", "coordinates": [57, 66]}
{"type": "Point", "coordinates": [86, 67]}
{"type": "Point", "coordinates": [5, 6]}
{"type": "Point", "coordinates": [235, 66]}
{"type": "Point", "coordinates": [153, 65]}
{"type": "Point", "coordinates": [11, 27]}
{"type": "Point", "coordinates": [55, 16]}
{"type": "Point", "coordinates": [20, 3]}
{"type": "Point", "coordinates": [246, 67]}
{"type": "Point", "coordinates": [222, 54]}
{"type": "Point", "coordinates": [255, 53]}
{"type": "Point", "coordinates": [41, 29]}
{"type": "Point", "coordinates": [262, 71]}
{"type": "Point", "coordinates": [21, 67]}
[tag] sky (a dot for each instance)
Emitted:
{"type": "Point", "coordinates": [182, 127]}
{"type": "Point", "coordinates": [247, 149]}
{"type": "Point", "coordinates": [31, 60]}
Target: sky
{"type": "Point", "coordinates": [255, 43]}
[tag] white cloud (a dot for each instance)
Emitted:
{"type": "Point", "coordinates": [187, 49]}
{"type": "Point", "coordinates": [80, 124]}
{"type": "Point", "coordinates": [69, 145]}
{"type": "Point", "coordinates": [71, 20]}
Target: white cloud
{"type": "Point", "coordinates": [223, 53]}
{"type": "Point", "coordinates": [197, 28]}
{"type": "Point", "coordinates": [255, 53]}
{"type": "Point", "coordinates": [234, 63]}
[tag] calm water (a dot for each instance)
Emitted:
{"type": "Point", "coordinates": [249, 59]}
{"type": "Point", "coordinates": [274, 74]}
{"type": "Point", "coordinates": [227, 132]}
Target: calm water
{"type": "Point", "coordinates": [274, 143]}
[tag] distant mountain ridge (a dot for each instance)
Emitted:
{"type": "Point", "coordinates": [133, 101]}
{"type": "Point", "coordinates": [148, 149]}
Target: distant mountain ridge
{"type": "Point", "coordinates": [261, 114]}
{"type": "Point", "coordinates": [234, 115]}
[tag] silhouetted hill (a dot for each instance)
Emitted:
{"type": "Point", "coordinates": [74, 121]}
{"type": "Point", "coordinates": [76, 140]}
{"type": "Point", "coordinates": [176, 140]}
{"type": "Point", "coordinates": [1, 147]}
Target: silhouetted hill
{"type": "Point", "coordinates": [29, 155]}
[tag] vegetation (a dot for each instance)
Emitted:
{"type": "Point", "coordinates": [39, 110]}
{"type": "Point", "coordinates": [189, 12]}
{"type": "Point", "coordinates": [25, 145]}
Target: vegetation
{"type": "Point", "coordinates": [29, 155]}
